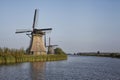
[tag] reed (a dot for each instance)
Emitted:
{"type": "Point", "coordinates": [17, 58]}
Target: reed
{"type": "Point", "coordinates": [19, 55]}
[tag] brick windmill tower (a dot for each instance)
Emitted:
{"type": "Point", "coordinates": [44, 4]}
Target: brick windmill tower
{"type": "Point", "coordinates": [37, 46]}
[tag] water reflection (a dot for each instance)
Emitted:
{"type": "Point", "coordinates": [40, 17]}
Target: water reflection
{"type": "Point", "coordinates": [23, 71]}
{"type": "Point", "coordinates": [75, 68]}
{"type": "Point", "coordinates": [38, 70]}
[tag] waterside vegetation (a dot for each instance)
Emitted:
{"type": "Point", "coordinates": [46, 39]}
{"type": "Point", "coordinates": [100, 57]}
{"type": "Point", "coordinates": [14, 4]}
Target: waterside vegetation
{"type": "Point", "coordinates": [113, 55]}
{"type": "Point", "coordinates": [19, 55]}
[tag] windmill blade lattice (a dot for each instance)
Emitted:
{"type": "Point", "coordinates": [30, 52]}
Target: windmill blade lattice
{"type": "Point", "coordinates": [35, 20]}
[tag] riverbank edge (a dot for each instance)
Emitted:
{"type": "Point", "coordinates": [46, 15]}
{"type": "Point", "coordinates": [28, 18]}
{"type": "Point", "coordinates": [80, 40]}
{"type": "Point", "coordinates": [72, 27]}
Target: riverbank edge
{"type": "Point", "coordinates": [112, 55]}
{"type": "Point", "coordinates": [31, 58]}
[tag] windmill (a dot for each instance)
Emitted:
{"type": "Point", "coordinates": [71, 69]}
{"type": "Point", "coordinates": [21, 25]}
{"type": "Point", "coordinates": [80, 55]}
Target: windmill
{"type": "Point", "coordinates": [37, 46]}
{"type": "Point", "coordinates": [51, 47]}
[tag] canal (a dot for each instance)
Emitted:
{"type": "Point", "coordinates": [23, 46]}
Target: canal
{"type": "Point", "coordinates": [75, 68]}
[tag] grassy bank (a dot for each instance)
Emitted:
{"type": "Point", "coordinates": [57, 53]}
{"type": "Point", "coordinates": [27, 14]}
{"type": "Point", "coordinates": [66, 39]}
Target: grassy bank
{"type": "Point", "coordinates": [114, 55]}
{"type": "Point", "coordinates": [15, 56]}
{"type": "Point", "coordinates": [30, 58]}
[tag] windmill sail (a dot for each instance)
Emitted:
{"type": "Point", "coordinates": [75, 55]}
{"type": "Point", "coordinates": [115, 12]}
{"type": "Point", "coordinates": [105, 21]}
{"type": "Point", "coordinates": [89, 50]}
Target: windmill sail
{"type": "Point", "coordinates": [35, 20]}
{"type": "Point", "coordinates": [23, 30]}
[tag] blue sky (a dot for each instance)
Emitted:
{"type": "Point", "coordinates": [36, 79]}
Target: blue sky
{"type": "Point", "coordinates": [78, 25]}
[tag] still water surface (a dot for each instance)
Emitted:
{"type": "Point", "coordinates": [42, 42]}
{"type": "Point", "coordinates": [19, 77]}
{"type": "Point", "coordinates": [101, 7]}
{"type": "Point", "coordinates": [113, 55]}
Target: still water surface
{"type": "Point", "coordinates": [75, 68]}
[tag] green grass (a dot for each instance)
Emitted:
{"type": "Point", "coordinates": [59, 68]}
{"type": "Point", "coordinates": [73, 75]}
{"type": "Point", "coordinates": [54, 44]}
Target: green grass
{"type": "Point", "coordinates": [18, 55]}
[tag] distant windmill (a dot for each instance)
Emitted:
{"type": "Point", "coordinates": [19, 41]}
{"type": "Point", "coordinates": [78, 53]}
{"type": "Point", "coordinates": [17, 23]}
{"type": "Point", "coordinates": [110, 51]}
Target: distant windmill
{"type": "Point", "coordinates": [37, 46]}
{"type": "Point", "coordinates": [51, 47]}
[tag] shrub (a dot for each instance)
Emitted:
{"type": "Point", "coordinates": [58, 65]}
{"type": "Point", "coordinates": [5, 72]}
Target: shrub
{"type": "Point", "coordinates": [59, 51]}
